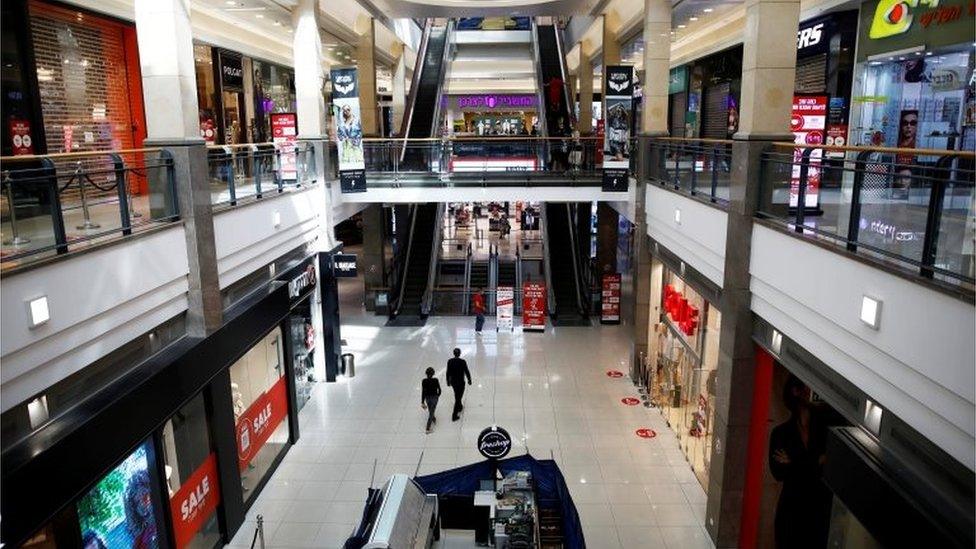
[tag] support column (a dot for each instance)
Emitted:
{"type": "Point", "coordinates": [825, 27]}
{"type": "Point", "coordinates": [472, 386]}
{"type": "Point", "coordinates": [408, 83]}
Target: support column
{"type": "Point", "coordinates": [768, 72]}
{"type": "Point", "coordinates": [585, 90]}
{"type": "Point", "coordinates": [607, 226]}
{"type": "Point", "coordinates": [611, 43]}
{"type": "Point", "coordinates": [169, 86]}
{"type": "Point", "coordinates": [399, 90]}
{"type": "Point", "coordinates": [366, 62]}
{"type": "Point", "coordinates": [372, 262]}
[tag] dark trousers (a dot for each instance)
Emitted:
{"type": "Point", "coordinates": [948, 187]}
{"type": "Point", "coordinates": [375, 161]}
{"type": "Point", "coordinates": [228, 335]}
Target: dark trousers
{"type": "Point", "coordinates": [431, 402]}
{"type": "Point", "coordinates": [479, 323]}
{"type": "Point", "coordinates": [458, 395]}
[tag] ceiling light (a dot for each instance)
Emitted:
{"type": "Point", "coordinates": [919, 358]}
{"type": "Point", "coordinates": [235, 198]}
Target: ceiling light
{"type": "Point", "coordinates": [277, 23]}
{"type": "Point", "coordinates": [259, 15]}
{"type": "Point", "coordinates": [707, 10]}
{"type": "Point", "coordinates": [693, 19]}
{"type": "Point", "coordinates": [682, 26]}
{"type": "Point", "coordinates": [231, 3]}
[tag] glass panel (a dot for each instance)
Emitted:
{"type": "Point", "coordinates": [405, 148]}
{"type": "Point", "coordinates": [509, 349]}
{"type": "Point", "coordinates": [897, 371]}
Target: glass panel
{"type": "Point", "coordinates": [846, 532]}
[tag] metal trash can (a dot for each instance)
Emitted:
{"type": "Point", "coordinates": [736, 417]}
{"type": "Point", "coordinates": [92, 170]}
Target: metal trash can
{"type": "Point", "coordinates": [348, 365]}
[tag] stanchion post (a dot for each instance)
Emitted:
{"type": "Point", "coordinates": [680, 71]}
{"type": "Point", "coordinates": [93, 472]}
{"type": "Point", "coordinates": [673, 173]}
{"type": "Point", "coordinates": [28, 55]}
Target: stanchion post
{"type": "Point", "coordinates": [15, 238]}
{"type": "Point", "coordinates": [123, 192]}
{"type": "Point", "coordinates": [87, 224]}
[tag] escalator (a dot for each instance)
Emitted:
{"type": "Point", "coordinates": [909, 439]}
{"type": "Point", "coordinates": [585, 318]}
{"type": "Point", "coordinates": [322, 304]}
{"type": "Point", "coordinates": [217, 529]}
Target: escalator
{"type": "Point", "coordinates": [549, 65]}
{"type": "Point", "coordinates": [479, 275]}
{"type": "Point", "coordinates": [408, 310]}
{"type": "Point", "coordinates": [425, 94]}
{"type": "Point", "coordinates": [507, 273]}
{"type": "Point", "coordinates": [564, 267]}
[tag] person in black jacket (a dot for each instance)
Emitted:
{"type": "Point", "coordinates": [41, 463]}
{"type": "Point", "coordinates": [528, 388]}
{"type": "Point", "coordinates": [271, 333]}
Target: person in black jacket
{"type": "Point", "coordinates": [457, 371]}
{"type": "Point", "coordinates": [429, 394]}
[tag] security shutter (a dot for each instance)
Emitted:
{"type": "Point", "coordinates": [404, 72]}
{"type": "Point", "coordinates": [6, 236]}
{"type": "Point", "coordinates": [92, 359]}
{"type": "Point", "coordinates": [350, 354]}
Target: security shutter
{"type": "Point", "coordinates": [679, 104]}
{"type": "Point", "coordinates": [811, 74]}
{"type": "Point", "coordinates": [715, 121]}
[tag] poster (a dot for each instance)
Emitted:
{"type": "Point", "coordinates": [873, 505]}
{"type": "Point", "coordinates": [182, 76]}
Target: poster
{"type": "Point", "coordinates": [195, 502]}
{"type": "Point", "coordinates": [284, 134]}
{"type": "Point", "coordinates": [348, 130]}
{"type": "Point", "coordinates": [256, 424]}
{"type": "Point", "coordinates": [20, 136]}
{"type": "Point", "coordinates": [610, 299]}
{"type": "Point", "coordinates": [504, 307]}
{"type": "Point", "coordinates": [808, 124]}
{"type": "Point", "coordinates": [907, 139]}
{"type": "Point", "coordinates": [533, 306]}
{"type": "Point", "coordinates": [618, 97]}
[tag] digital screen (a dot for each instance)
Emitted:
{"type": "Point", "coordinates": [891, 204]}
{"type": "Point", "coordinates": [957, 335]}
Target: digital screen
{"type": "Point", "coordinates": [118, 512]}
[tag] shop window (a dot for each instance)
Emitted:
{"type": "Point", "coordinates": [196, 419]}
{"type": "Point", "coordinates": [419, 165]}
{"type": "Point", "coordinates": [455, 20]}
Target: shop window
{"type": "Point", "coordinates": [260, 399]}
{"type": "Point", "coordinates": [206, 92]}
{"type": "Point", "coordinates": [302, 337]}
{"type": "Point", "coordinates": [190, 468]}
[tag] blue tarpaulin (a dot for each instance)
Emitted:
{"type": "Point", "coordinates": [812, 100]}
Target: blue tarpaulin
{"type": "Point", "coordinates": [551, 490]}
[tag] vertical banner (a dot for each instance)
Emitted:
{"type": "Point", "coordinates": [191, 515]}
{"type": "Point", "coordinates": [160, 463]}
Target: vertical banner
{"type": "Point", "coordinates": [533, 306]}
{"type": "Point", "coordinates": [610, 302]}
{"type": "Point", "coordinates": [808, 124]}
{"type": "Point", "coordinates": [618, 97]}
{"type": "Point", "coordinates": [284, 134]}
{"type": "Point", "coordinates": [349, 130]}
{"type": "Point", "coordinates": [504, 308]}
{"type": "Point", "coordinates": [195, 501]}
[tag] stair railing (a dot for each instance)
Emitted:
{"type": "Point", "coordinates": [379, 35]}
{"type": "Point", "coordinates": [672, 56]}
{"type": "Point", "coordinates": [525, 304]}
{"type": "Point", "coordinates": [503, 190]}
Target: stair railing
{"type": "Point", "coordinates": [395, 309]}
{"type": "Point", "coordinates": [415, 87]}
{"type": "Point", "coordinates": [445, 60]}
{"type": "Point", "coordinates": [492, 276]}
{"type": "Point", "coordinates": [575, 260]}
{"type": "Point", "coordinates": [518, 279]}
{"type": "Point", "coordinates": [435, 245]}
{"type": "Point", "coordinates": [570, 101]}
{"type": "Point", "coordinates": [540, 91]}
{"type": "Point", "coordinates": [544, 229]}
{"type": "Point", "coordinates": [467, 282]}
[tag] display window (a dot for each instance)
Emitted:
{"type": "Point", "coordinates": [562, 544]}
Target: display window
{"type": "Point", "coordinates": [302, 337]}
{"type": "Point", "coordinates": [260, 399]}
{"type": "Point", "coordinates": [190, 468]}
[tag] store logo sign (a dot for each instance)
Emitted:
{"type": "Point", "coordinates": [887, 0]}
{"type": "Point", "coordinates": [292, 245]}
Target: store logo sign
{"type": "Point", "coordinates": [344, 265]}
{"type": "Point", "coordinates": [810, 36]}
{"type": "Point", "coordinates": [302, 281]}
{"type": "Point", "coordinates": [893, 17]}
{"type": "Point", "coordinates": [494, 442]}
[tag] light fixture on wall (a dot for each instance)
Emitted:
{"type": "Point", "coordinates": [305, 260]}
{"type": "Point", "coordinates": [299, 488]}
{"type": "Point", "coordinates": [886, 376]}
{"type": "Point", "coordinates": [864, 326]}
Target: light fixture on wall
{"type": "Point", "coordinates": [872, 416]}
{"type": "Point", "coordinates": [276, 219]}
{"type": "Point", "coordinates": [677, 216]}
{"type": "Point", "coordinates": [871, 312]}
{"type": "Point", "coordinates": [38, 311]}
{"type": "Point", "coordinates": [37, 412]}
{"type": "Point", "coordinates": [776, 341]}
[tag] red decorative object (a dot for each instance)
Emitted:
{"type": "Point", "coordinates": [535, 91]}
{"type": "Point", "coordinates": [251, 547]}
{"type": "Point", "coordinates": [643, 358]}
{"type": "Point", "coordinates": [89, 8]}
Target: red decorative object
{"type": "Point", "coordinates": [644, 432]}
{"type": "Point", "coordinates": [615, 373]}
{"type": "Point", "coordinates": [679, 311]}
{"type": "Point", "coordinates": [630, 401]}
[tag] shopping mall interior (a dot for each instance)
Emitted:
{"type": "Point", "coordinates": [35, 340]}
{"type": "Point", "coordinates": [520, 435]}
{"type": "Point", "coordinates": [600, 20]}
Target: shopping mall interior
{"type": "Point", "coordinates": [540, 274]}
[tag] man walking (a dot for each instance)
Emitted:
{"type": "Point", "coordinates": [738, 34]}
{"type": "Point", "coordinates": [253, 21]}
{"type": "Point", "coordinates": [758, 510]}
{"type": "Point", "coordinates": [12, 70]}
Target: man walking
{"type": "Point", "coordinates": [457, 371]}
{"type": "Point", "coordinates": [478, 305]}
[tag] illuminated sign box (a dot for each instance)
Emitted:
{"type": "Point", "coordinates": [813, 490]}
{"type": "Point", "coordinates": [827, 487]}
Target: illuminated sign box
{"type": "Point", "coordinates": [495, 101]}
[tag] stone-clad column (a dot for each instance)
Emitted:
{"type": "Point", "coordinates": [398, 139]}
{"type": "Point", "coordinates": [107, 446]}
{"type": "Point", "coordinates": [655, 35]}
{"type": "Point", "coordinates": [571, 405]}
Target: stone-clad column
{"type": "Point", "coordinates": [585, 89]}
{"type": "Point", "coordinates": [169, 90]}
{"type": "Point", "coordinates": [400, 90]}
{"type": "Point", "coordinates": [366, 62]}
{"type": "Point", "coordinates": [611, 42]}
{"type": "Point", "coordinates": [309, 72]}
{"type": "Point", "coordinates": [768, 72]}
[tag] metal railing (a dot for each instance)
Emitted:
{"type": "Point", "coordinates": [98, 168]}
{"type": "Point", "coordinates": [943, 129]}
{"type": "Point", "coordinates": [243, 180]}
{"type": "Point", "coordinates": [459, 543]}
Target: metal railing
{"type": "Point", "coordinates": [252, 170]}
{"type": "Point", "coordinates": [53, 204]}
{"type": "Point", "coordinates": [482, 161]}
{"type": "Point", "coordinates": [913, 208]}
{"type": "Point", "coordinates": [452, 301]}
{"type": "Point", "coordinates": [699, 167]}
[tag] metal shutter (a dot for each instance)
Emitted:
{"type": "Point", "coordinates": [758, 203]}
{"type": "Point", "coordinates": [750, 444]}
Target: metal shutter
{"type": "Point", "coordinates": [679, 106]}
{"type": "Point", "coordinates": [715, 120]}
{"type": "Point", "coordinates": [811, 74]}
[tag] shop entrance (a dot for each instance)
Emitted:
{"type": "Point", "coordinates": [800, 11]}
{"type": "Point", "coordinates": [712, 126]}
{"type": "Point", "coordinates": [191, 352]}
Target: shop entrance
{"type": "Point", "coordinates": [233, 102]}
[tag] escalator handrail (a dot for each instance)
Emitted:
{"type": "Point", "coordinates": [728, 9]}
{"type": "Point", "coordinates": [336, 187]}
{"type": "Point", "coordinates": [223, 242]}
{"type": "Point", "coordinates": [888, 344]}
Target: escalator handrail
{"type": "Point", "coordinates": [575, 259]}
{"type": "Point", "coordinates": [518, 279]}
{"type": "Point", "coordinates": [467, 281]}
{"type": "Point", "coordinates": [570, 101]}
{"type": "Point", "coordinates": [442, 78]}
{"type": "Point", "coordinates": [540, 78]}
{"type": "Point", "coordinates": [406, 262]}
{"type": "Point", "coordinates": [492, 277]}
{"type": "Point", "coordinates": [544, 229]}
{"type": "Point", "coordinates": [415, 82]}
{"type": "Point", "coordinates": [435, 244]}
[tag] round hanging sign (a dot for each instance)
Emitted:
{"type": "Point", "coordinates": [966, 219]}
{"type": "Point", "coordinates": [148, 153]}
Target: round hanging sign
{"type": "Point", "coordinates": [494, 442]}
{"type": "Point", "coordinates": [630, 401]}
{"type": "Point", "coordinates": [615, 373]}
{"type": "Point", "coordinates": [644, 432]}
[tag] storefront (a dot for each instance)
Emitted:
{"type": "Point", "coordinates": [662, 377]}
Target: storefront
{"type": "Point", "coordinates": [177, 451]}
{"type": "Point", "coordinates": [237, 99]}
{"type": "Point", "coordinates": [492, 114]}
{"type": "Point", "coordinates": [683, 356]}
{"type": "Point", "coordinates": [913, 85]}
{"type": "Point", "coordinates": [704, 96]}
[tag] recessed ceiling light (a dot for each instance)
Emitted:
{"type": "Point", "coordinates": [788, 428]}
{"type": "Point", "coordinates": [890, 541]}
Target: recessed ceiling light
{"type": "Point", "coordinates": [693, 19]}
{"type": "Point", "coordinates": [682, 26]}
{"type": "Point", "coordinates": [277, 23]}
{"type": "Point", "coordinates": [707, 10]}
{"type": "Point", "coordinates": [259, 15]}
{"type": "Point", "coordinates": [231, 3]}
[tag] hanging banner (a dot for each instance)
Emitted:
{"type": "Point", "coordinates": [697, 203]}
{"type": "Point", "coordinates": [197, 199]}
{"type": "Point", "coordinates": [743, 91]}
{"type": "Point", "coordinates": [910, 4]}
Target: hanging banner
{"type": "Point", "coordinates": [504, 308]}
{"type": "Point", "coordinates": [195, 501]}
{"type": "Point", "coordinates": [533, 306]}
{"type": "Point", "coordinates": [808, 124]}
{"type": "Point", "coordinates": [349, 130]}
{"type": "Point", "coordinates": [256, 424]}
{"type": "Point", "coordinates": [284, 134]}
{"type": "Point", "coordinates": [610, 302]}
{"type": "Point", "coordinates": [618, 96]}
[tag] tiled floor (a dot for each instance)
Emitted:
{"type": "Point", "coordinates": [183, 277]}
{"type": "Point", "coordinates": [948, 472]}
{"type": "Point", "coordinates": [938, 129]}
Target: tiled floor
{"type": "Point", "coordinates": [549, 390]}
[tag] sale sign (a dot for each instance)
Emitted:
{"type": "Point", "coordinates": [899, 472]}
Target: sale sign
{"type": "Point", "coordinates": [20, 136]}
{"type": "Point", "coordinates": [195, 501]}
{"type": "Point", "coordinates": [284, 134]}
{"type": "Point", "coordinates": [808, 124]}
{"type": "Point", "coordinates": [208, 130]}
{"type": "Point", "coordinates": [504, 308]}
{"type": "Point", "coordinates": [533, 306]}
{"type": "Point", "coordinates": [610, 303]}
{"type": "Point", "coordinates": [256, 424]}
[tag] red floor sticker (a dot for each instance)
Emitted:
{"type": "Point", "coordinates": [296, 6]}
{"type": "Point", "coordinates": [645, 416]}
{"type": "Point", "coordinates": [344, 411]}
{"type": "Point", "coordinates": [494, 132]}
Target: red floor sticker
{"type": "Point", "coordinates": [630, 401]}
{"type": "Point", "coordinates": [644, 432]}
{"type": "Point", "coordinates": [615, 373]}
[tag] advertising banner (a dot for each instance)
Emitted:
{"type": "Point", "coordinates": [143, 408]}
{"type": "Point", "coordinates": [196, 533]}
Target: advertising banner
{"type": "Point", "coordinates": [533, 306]}
{"type": "Point", "coordinates": [618, 97]}
{"type": "Point", "coordinates": [256, 424]}
{"type": "Point", "coordinates": [208, 130]}
{"type": "Point", "coordinates": [20, 136]}
{"type": "Point", "coordinates": [808, 123]}
{"type": "Point", "coordinates": [284, 134]}
{"type": "Point", "coordinates": [610, 302]}
{"type": "Point", "coordinates": [504, 308]}
{"type": "Point", "coordinates": [349, 130]}
{"type": "Point", "coordinates": [195, 501]}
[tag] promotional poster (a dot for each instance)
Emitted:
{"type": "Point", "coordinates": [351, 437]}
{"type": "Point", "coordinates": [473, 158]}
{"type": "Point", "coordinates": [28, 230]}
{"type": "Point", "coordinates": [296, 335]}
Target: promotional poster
{"type": "Point", "coordinates": [808, 123]}
{"type": "Point", "coordinates": [259, 421]}
{"type": "Point", "coordinates": [284, 134]}
{"type": "Point", "coordinates": [195, 502]}
{"type": "Point", "coordinates": [610, 302]}
{"type": "Point", "coordinates": [349, 130]}
{"type": "Point", "coordinates": [505, 306]}
{"type": "Point", "coordinates": [618, 98]}
{"type": "Point", "coordinates": [533, 306]}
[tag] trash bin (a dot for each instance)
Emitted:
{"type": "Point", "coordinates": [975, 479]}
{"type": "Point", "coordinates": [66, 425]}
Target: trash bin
{"type": "Point", "coordinates": [348, 365]}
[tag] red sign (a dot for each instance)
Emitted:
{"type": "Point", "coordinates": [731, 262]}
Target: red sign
{"type": "Point", "coordinates": [195, 501]}
{"type": "Point", "coordinates": [630, 401]}
{"type": "Point", "coordinates": [533, 306]}
{"type": "Point", "coordinates": [808, 124]}
{"type": "Point", "coordinates": [644, 432]}
{"type": "Point", "coordinates": [69, 137]}
{"type": "Point", "coordinates": [255, 425]}
{"type": "Point", "coordinates": [610, 302]}
{"type": "Point", "coordinates": [208, 130]}
{"type": "Point", "coordinates": [680, 311]}
{"type": "Point", "coordinates": [20, 136]}
{"type": "Point", "coordinates": [615, 373]}
{"type": "Point", "coordinates": [284, 133]}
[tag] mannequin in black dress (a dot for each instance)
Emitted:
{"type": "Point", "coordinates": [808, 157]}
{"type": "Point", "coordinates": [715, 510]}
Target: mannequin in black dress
{"type": "Point", "coordinates": [796, 457]}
